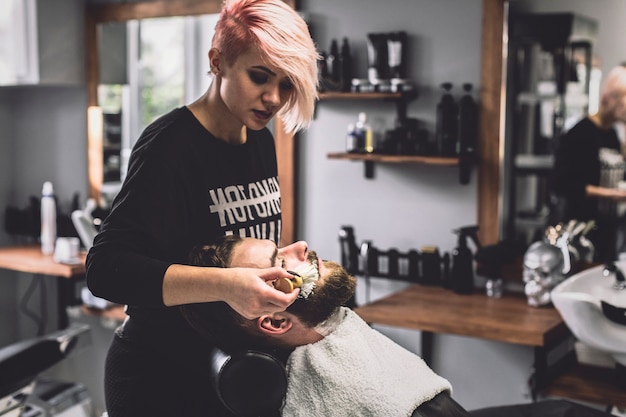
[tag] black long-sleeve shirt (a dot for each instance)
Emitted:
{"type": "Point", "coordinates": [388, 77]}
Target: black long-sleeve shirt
{"type": "Point", "coordinates": [577, 164]}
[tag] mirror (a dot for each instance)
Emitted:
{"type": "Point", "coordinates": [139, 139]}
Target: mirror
{"type": "Point", "coordinates": [111, 86]}
{"type": "Point", "coordinates": [495, 96]}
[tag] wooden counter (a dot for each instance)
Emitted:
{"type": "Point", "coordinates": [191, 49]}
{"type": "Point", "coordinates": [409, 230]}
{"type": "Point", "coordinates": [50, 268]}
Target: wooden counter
{"type": "Point", "coordinates": [434, 309]}
{"type": "Point", "coordinates": [508, 319]}
{"type": "Point", "coordinates": [29, 259]}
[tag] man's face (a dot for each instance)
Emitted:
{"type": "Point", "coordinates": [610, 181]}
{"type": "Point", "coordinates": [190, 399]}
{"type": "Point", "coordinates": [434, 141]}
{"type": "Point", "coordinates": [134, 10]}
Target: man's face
{"type": "Point", "coordinates": [257, 253]}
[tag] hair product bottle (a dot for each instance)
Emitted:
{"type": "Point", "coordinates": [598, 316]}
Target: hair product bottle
{"type": "Point", "coordinates": [468, 133]}
{"type": "Point", "coordinates": [333, 60]}
{"type": "Point", "coordinates": [462, 274]}
{"type": "Point", "coordinates": [351, 139]}
{"type": "Point", "coordinates": [446, 129]}
{"type": "Point", "coordinates": [364, 133]}
{"type": "Point", "coordinates": [346, 66]}
{"type": "Point", "coordinates": [48, 219]}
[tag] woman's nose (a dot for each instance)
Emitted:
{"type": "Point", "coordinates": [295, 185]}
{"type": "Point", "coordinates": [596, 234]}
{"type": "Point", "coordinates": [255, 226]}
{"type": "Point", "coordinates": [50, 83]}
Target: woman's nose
{"type": "Point", "coordinates": [271, 96]}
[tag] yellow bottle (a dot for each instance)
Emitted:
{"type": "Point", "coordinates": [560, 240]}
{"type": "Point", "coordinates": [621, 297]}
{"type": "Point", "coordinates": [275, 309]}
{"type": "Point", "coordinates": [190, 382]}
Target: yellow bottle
{"type": "Point", "coordinates": [363, 128]}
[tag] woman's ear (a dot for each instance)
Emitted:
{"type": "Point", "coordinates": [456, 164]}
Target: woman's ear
{"type": "Point", "coordinates": [274, 324]}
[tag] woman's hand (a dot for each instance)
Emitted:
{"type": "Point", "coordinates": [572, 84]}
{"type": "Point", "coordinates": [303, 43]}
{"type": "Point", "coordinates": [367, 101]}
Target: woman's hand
{"type": "Point", "coordinates": [251, 292]}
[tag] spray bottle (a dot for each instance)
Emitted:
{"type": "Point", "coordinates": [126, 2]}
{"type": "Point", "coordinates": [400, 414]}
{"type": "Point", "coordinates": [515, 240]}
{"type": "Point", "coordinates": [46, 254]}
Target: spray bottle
{"type": "Point", "coordinates": [462, 274]}
{"type": "Point", "coordinates": [48, 219]}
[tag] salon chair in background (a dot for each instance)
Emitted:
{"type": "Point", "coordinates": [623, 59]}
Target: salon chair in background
{"type": "Point", "coordinates": [21, 364]}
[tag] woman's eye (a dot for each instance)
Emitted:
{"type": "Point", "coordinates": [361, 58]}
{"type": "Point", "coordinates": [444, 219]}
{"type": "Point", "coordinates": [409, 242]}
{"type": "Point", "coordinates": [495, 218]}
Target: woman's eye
{"type": "Point", "coordinates": [258, 77]}
{"type": "Point", "coordinates": [286, 86]}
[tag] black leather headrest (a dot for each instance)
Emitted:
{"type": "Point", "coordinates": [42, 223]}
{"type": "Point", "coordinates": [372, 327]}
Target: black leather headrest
{"type": "Point", "coordinates": [249, 383]}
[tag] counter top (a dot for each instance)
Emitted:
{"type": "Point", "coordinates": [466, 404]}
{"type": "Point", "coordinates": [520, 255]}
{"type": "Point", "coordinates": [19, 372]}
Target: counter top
{"type": "Point", "coordinates": [434, 309]}
{"type": "Point", "coordinates": [28, 258]}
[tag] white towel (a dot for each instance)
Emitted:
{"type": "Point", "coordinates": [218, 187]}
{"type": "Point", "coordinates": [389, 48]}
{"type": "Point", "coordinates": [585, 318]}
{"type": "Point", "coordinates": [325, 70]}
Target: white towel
{"type": "Point", "coordinates": [357, 371]}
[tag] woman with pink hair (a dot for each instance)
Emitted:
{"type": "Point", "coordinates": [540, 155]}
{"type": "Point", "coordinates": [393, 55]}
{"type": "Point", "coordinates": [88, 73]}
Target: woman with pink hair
{"type": "Point", "coordinates": [201, 171]}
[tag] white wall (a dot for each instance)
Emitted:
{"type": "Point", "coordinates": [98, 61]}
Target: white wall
{"type": "Point", "coordinates": [406, 206]}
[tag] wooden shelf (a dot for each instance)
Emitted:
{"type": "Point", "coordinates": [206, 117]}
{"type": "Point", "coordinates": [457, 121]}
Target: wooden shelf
{"type": "Point", "coordinates": [588, 383]}
{"type": "Point", "coordinates": [337, 95]}
{"type": "Point", "coordinates": [395, 159]}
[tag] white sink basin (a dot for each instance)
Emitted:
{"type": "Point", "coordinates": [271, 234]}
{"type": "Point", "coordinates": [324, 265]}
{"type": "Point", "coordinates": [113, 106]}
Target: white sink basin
{"type": "Point", "coordinates": [580, 300]}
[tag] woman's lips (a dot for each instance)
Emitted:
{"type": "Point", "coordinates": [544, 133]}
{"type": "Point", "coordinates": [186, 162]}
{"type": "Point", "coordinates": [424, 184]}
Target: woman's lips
{"type": "Point", "coordinates": [263, 115]}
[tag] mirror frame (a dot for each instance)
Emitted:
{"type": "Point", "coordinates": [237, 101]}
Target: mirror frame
{"type": "Point", "coordinates": [491, 131]}
{"type": "Point", "coordinates": [492, 99]}
{"type": "Point", "coordinates": [120, 12]}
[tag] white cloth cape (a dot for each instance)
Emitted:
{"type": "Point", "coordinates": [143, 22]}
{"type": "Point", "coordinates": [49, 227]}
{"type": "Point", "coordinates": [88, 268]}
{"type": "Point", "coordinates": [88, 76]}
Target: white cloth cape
{"type": "Point", "coordinates": [357, 371]}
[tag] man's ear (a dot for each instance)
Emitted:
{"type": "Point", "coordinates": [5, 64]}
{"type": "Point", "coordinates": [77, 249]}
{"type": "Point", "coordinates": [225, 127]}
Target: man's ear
{"type": "Point", "coordinates": [214, 60]}
{"type": "Point", "coordinates": [274, 324]}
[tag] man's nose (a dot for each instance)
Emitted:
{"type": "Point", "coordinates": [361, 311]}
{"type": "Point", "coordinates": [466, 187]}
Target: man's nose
{"type": "Point", "coordinates": [298, 250]}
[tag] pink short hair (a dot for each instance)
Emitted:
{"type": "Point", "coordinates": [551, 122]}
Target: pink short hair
{"type": "Point", "coordinates": [283, 38]}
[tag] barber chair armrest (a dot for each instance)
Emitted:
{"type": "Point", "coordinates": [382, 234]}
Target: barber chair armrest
{"type": "Point", "coordinates": [22, 361]}
{"type": "Point", "coordinates": [249, 383]}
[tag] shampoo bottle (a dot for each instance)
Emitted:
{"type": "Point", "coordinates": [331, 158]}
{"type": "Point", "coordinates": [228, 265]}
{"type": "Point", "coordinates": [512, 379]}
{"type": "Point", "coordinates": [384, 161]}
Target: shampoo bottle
{"type": "Point", "coordinates": [446, 128]}
{"type": "Point", "coordinates": [333, 60]}
{"type": "Point", "coordinates": [364, 133]}
{"type": "Point", "coordinates": [467, 133]}
{"type": "Point", "coordinates": [346, 66]}
{"type": "Point", "coordinates": [48, 219]}
{"type": "Point", "coordinates": [462, 274]}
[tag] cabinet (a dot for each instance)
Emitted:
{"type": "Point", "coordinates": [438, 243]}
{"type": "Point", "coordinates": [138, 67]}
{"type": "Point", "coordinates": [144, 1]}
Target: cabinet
{"type": "Point", "coordinates": [369, 159]}
{"type": "Point", "coordinates": [46, 42]}
{"type": "Point", "coordinates": [548, 80]}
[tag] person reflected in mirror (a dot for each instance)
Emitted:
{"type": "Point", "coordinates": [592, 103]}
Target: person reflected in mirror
{"type": "Point", "coordinates": [336, 362]}
{"type": "Point", "coordinates": [589, 165]}
{"type": "Point", "coordinates": [199, 172]}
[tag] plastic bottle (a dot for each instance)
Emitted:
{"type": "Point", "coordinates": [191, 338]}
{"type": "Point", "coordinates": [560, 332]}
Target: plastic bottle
{"type": "Point", "coordinates": [446, 129]}
{"type": "Point", "coordinates": [351, 139]}
{"type": "Point", "coordinates": [467, 132]}
{"type": "Point", "coordinates": [364, 133]}
{"type": "Point", "coordinates": [346, 66]}
{"type": "Point", "coordinates": [462, 274]}
{"type": "Point", "coordinates": [48, 219]}
{"type": "Point", "coordinates": [333, 61]}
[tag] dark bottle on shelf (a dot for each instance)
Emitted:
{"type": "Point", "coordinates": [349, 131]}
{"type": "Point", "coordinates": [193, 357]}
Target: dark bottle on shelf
{"type": "Point", "coordinates": [446, 129]}
{"type": "Point", "coordinates": [346, 66]}
{"type": "Point", "coordinates": [467, 132]}
{"type": "Point", "coordinates": [333, 61]}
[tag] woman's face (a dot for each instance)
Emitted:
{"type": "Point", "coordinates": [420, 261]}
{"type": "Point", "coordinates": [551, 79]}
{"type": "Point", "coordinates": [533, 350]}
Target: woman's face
{"type": "Point", "coordinates": [253, 91]}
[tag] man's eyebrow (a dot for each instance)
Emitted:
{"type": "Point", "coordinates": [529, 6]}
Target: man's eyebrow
{"type": "Point", "coordinates": [264, 69]}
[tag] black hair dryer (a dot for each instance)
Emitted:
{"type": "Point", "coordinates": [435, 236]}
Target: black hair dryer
{"type": "Point", "coordinates": [462, 273]}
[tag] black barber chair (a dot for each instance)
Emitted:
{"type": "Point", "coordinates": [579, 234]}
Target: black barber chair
{"type": "Point", "coordinates": [22, 362]}
{"type": "Point", "coordinates": [249, 383]}
{"type": "Point", "coordinates": [253, 384]}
